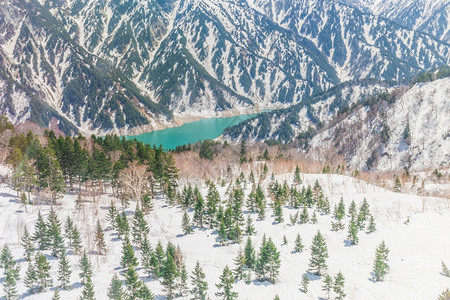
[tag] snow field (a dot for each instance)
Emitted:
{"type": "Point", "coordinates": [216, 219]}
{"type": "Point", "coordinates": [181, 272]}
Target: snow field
{"type": "Point", "coordinates": [416, 250]}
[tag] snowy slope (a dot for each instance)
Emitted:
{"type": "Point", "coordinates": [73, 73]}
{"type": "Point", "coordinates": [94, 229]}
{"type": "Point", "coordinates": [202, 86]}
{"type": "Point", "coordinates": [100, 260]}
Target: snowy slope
{"type": "Point", "coordinates": [425, 107]}
{"type": "Point", "coordinates": [416, 250]}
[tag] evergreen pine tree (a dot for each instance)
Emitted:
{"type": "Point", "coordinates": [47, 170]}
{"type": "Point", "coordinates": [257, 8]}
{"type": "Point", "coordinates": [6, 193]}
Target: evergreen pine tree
{"type": "Point", "coordinates": [56, 242]}
{"type": "Point", "coordinates": [56, 295]}
{"type": "Point", "coordinates": [352, 209]}
{"type": "Point", "coordinates": [248, 276]}
{"type": "Point", "coordinates": [445, 270]}
{"type": "Point", "coordinates": [76, 242]}
{"type": "Point", "coordinates": [111, 216]}
{"type": "Point", "coordinates": [328, 285]}
{"type": "Point", "coordinates": [85, 267]}
{"type": "Point", "coordinates": [272, 257]}
{"type": "Point", "coordinates": [200, 286]}
{"type": "Point", "coordinates": [297, 178]}
{"type": "Point", "coordinates": [314, 218]}
{"type": "Point", "coordinates": [68, 231]}
{"type": "Point", "coordinates": [249, 254]}
{"type": "Point", "coordinates": [115, 290]}
{"type": "Point", "coordinates": [260, 203]}
{"type": "Point", "coordinates": [397, 184]}
{"type": "Point", "coordinates": [30, 279]}
{"type": "Point", "coordinates": [352, 236]}
{"type": "Point", "coordinates": [268, 262]}
{"type": "Point", "coordinates": [169, 274]}
{"type": "Point", "coordinates": [276, 297]}
{"type": "Point", "coordinates": [199, 210]}
{"type": "Point", "coordinates": [278, 212]}
{"type": "Point", "coordinates": [158, 259]}
{"type": "Point", "coordinates": [186, 224]}
{"type": "Point", "coordinates": [88, 290]}
{"type": "Point", "coordinates": [128, 255]}
{"type": "Point", "coordinates": [250, 229]}
{"type": "Point", "coordinates": [360, 221]}
{"type": "Point", "coordinates": [139, 227]}
{"type": "Point", "coordinates": [304, 217]}
{"type": "Point", "coordinates": [132, 283]}
{"type": "Point", "coordinates": [146, 256]}
{"type": "Point", "coordinates": [340, 211]}
{"type": "Point", "coordinates": [339, 286]}
{"type": "Point", "coordinates": [6, 259]}
{"type": "Point", "coordinates": [298, 244]}
{"type": "Point", "coordinates": [123, 228]}
{"type": "Point", "coordinates": [42, 268]}
{"type": "Point", "coordinates": [364, 210]}
{"type": "Point", "coordinates": [40, 233]}
{"type": "Point", "coordinates": [319, 254]}
{"type": "Point", "coordinates": [10, 284]}
{"type": "Point", "coordinates": [64, 272]}
{"type": "Point", "coordinates": [284, 240]}
{"type": "Point", "coordinates": [293, 218]}
{"type": "Point", "coordinates": [27, 244]}
{"type": "Point", "coordinates": [182, 283]}
{"type": "Point", "coordinates": [99, 239]}
{"type": "Point", "coordinates": [326, 206]}
{"type": "Point", "coordinates": [213, 199]}
{"type": "Point", "coordinates": [445, 295]}
{"type": "Point", "coordinates": [371, 227]}
{"type": "Point", "coordinates": [222, 233]}
{"type": "Point", "coordinates": [381, 266]}
{"type": "Point", "coordinates": [226, 285]}
{"type": "Point", "coordinates": [239, 262]}
{"type": "Point", "coordinates": [305, 283]}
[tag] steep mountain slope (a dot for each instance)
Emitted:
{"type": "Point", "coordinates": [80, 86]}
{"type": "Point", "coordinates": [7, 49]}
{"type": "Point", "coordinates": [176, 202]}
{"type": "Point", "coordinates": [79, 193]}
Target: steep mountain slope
{"type": "Point", "coordinates": [413, 132]}
{"type": "Point", "coordinates": [43, 71]}
{"type": "Point", "coordinates": [372, 127]}
{"type": "Point", "coordinates": [432, 17]}
{"type": "Point", "coordinates": [129, 65]}
{"type": "Point", "coordinates": [302, 121]}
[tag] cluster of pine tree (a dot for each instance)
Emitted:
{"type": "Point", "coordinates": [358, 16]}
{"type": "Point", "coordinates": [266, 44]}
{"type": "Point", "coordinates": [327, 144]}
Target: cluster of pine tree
{"type": "Point", "coordinates": [61, 162]}
{"type": "Point", "coordinates": [265, 263]}
{"type": "Point", "coordinates": [48, 239]}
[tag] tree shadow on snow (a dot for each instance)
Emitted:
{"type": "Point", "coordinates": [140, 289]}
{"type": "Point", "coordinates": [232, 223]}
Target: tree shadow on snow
{"type": "Point", "coordinates": [7, 195]}
{"type": "Point", "coordinates": [262, 283]}
{"type": "Point", "coordinates": [311, 276]}
{"type": "Point", "coordinates": [76, 285]}
{"type": "Point", "coordinates": [348, 243]}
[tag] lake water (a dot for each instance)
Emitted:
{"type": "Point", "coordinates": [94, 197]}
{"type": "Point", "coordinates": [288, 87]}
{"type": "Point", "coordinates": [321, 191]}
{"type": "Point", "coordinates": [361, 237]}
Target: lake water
{"type": "Point", "coordinates": [192, 132]}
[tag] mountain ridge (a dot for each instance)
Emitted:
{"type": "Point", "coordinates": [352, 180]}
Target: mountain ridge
{"type": "Point", "coordinates": [130, 66]}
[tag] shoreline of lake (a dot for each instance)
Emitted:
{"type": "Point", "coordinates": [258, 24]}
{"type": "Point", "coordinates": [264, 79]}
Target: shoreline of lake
{"type": "Point", "coordinates": [189, 133]}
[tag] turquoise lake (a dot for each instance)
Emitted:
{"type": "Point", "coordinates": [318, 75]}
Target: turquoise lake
{"type": "Point", "coordinates": [191, 132]}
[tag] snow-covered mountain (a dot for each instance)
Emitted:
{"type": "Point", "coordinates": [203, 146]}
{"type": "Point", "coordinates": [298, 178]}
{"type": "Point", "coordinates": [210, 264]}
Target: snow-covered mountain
{"type": "Point", "coordinates": [413, 132]}
{"type": "Point", "coordinates": [99, 66]}
{"type": "Point", "coordinates": [376, 127]}
{"type": "Point", "coordinates": [432, 17]}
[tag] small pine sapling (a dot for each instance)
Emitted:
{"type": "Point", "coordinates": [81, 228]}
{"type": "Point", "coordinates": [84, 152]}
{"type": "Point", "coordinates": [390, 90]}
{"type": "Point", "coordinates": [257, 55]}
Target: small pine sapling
{"type": "Point", "coordinates": [328, 285]}
{"type": "Point", "coordinates": [445, 270]}
{"type": "Point", "coordinates": [381, 267]}
{"type": "Point", "coordinates": [305, 283]}
{"type": "Point", "coordinates": [314, 218]}
{"type": "Point", "coordinates": [250, 229]}
{"type": "Point", "coordinates": [186, 224]}
{"type": "Point", "coordinates": [298, 244]}
{"type": "Point", "coordinates": [372, 226]}
{"type": "Point", "coordinates": [339, 286]}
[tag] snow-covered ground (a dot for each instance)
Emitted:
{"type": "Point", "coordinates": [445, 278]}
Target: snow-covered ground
{"type": "Point", "coordinates": [416, 250]}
